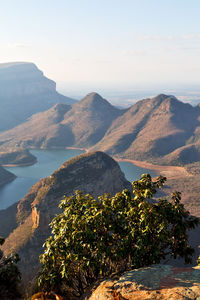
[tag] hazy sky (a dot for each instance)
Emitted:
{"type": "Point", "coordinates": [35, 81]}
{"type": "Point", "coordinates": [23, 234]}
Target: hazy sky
{"type": "Point", "coordinates": [117, 42]}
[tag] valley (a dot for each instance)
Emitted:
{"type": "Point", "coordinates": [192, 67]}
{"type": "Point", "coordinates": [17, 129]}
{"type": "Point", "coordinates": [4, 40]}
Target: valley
{"type": "Point", "coordinates": [100, 150]}
{"type": "Point", "coordinates": [59, 145]}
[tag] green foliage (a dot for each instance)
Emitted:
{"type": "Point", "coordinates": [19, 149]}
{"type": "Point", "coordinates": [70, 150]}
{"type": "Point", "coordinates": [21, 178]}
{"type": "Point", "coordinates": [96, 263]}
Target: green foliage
{"type": "Point", "coordinates": [9, 276]}
{"type": "Point", "coordinates": [94, 238]}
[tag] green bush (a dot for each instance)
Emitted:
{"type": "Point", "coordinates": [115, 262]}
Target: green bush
{"type": "Point", "coordinates": [93, 238]}
{"type": "Point", "coordinates": [9, 276]}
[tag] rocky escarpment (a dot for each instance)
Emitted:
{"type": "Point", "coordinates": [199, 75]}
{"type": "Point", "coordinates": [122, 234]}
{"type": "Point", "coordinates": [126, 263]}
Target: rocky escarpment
{"type": "Point", "coordinates": [24, 90]}
{"type": "Point", "coordinates": [5, 176]}
{"type": "Point", "coordinates": [159, 282]}
{"type": "Point", "coordinates": [95, 173]}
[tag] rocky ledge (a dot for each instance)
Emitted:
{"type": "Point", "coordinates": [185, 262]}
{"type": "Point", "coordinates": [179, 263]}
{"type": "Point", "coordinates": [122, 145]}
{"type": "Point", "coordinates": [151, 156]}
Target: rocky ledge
{"type": "Point", "coordinates": [156, 282]}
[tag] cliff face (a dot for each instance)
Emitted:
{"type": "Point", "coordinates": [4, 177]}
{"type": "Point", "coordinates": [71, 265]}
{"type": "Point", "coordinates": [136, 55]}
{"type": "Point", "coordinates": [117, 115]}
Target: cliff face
{"type": "Point", "coordinates": [24, 90]}
{"type": "Point", "coordinates": [23, 79]}
{"type": "Point", "coordinates": [95, 173]}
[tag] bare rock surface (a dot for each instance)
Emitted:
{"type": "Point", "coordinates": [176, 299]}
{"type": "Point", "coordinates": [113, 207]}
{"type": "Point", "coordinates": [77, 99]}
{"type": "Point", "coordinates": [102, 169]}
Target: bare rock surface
{"type": "Point", "coordinates": [155, 282]}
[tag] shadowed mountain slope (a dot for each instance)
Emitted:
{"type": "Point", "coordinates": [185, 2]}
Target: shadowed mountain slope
{"type": "Point", "coordinates": [38, 130]}
{"type": "Point", "coordinates": [95, 173]}
{"type": "Point", "coordinates": [82, 125]}
{"type": "Point", "coordinates": [24, 90]}
{"type": "Point", "coordinates": [5, 176]}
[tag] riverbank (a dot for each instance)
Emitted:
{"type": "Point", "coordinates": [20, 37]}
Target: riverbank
{"type": "Point", "coordinates": [170, 172]}
{"type": "Point", "coordinates": [77, 148]}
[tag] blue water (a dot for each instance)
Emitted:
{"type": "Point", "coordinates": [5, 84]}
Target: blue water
{"type": "Point", "coordinates": [47, 162]}
{"type": "Point", "coordinates": [133, 172]}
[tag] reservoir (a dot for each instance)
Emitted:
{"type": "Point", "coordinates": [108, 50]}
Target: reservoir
{"type": "Point", "coordinates": [47, 162]}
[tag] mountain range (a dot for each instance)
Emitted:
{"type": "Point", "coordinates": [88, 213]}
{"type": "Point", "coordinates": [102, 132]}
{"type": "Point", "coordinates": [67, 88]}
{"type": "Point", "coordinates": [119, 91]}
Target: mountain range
{"type": "Point", "coordinates": [82, 125]}
{"type": "Point", "coordinates": [162, 129]}
{"type": "Point", "coordinates": [24, 90]}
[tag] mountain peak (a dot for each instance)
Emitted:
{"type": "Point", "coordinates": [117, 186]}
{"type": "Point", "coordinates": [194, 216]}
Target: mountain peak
{"type": "Point", "coordinates": [88, 157]}
{"type": "Point", "coordinates": [93, 95]}
{"type": "Point", "coordinates": [94, 99]}
{"type": "Point", "coordinates": [163, 97]}
{"type": "Point", "coordinates": [170, 103]}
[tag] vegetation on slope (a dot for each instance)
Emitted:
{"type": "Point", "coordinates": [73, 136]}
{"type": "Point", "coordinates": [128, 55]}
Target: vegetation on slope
{"type": "Point", "coordinates": [93, 238]}
{"type": "Point", "coordinates": [94, 173]}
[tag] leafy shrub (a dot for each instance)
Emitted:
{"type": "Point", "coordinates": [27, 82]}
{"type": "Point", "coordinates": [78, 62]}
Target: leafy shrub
{"type": "Point", "coordinates": [9, 276]}
{"type": "Point", "coordinates": [93, 238]}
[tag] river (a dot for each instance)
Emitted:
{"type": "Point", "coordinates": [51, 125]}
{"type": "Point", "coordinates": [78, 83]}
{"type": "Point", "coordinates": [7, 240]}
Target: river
{"type": "Point", "coordinates": [47, 162]}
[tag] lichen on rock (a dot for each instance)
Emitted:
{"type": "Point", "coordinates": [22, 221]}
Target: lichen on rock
{"type": "Point", "coordinates": [156, 282]}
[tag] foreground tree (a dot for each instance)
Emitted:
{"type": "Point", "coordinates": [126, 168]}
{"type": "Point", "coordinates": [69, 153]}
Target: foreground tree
{"type": "Point", "coordinates": [93, 238]}
{"type": "Point", "coordinates": [9, 276]}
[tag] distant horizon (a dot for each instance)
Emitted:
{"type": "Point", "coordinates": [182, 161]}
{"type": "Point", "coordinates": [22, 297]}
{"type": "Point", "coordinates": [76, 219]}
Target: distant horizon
{"type": "Point", "coordinates": [129, 95]}
{"type": "Point", "coordinates": [113, 42]}
{"type": "Point", "coordinates": [118, 93]}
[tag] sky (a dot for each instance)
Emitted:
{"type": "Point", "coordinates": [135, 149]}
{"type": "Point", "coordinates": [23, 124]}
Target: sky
{"type": "Point", "coordinates": [118, 43]}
